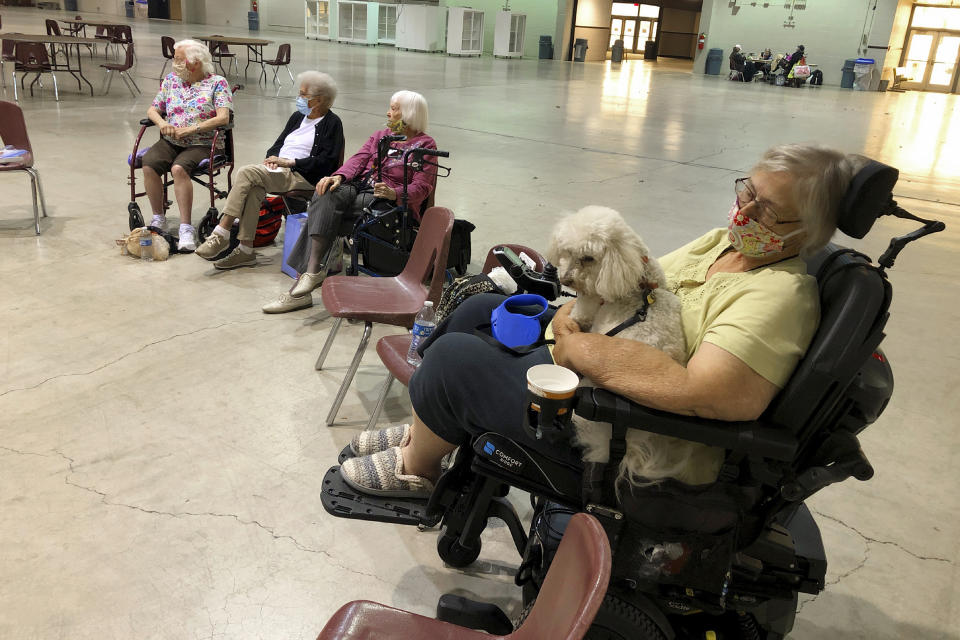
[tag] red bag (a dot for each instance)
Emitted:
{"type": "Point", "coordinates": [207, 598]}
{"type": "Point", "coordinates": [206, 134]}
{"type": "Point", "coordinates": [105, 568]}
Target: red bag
{"type": "Point", "coordinates": [271, 217]}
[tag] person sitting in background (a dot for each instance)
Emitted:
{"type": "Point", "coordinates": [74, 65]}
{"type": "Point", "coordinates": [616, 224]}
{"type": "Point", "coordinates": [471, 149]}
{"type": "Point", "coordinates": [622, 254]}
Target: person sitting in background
{"type": "Point", "coordinates": [765, 66]}
{"type": "Point", "coordinates": [342, 197]}
{"type": "Point", "coordinates": [307, 149]}
{"type": "Point", "coordinates": [191, 103]}
{"type": "Point", "coordinates": [737, 62]}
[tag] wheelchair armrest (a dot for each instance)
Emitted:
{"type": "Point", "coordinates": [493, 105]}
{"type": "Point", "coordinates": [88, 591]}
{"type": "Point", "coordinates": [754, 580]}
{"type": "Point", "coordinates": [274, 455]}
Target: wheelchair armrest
{"type": "Point", "coordinates": [147, 122]}
{"type": "Point", "coordinates": [751, 438]}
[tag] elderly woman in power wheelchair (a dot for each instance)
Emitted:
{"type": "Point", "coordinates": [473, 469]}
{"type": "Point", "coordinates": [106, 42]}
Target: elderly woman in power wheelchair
{"type": "Point", "coordinates": [375, 179]}
{"type": "Point", "coordinates": [725, 559]}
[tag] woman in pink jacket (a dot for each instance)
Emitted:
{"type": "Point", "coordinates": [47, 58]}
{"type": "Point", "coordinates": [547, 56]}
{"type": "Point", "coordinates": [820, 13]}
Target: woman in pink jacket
{"type": "Point", "coordinates": [342, 197]}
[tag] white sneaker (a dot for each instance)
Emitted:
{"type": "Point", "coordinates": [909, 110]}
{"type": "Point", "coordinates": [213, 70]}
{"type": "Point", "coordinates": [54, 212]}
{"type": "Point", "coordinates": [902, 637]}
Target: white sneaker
{"type": "Point", "coordinates": [159, 222]}
{"type": "Point", "coordinates": [188, 239]}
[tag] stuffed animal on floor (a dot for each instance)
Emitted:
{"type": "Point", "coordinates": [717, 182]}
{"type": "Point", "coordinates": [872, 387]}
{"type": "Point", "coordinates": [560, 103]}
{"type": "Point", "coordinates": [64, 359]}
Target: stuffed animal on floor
{"type": "Point", "coordinates": [607, 263]}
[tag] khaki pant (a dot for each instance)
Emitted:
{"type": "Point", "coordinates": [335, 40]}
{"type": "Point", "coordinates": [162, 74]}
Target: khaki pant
{"type": "Point", "coordinates": [251, 184]}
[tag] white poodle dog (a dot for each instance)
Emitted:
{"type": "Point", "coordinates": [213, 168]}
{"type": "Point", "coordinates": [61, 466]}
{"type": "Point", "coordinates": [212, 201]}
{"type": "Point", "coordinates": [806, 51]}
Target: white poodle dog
{"type": "Point", "coordinates": [606, 262]}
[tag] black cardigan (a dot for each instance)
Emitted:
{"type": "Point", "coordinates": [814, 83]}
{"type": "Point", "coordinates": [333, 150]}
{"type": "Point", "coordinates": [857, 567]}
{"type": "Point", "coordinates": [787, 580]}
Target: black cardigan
{"type": "Point", "coordinates": [328, 143]}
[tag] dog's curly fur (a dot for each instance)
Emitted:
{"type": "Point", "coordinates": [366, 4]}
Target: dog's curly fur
{"type": "Point", "coordinates": [607, 263]}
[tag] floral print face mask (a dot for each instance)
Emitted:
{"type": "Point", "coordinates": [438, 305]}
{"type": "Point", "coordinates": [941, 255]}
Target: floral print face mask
{"type": "Point", "coordinates": [751, 238]}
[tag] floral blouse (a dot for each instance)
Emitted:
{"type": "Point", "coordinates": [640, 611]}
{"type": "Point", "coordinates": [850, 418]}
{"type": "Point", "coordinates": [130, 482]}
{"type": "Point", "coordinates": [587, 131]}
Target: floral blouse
{"type": "Point", "coordinates": [187, 104]}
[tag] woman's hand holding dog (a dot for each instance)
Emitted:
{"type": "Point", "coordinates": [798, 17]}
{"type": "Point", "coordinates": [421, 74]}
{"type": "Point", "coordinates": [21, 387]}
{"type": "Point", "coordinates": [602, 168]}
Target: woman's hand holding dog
{"type": "Point", "coordinates": [565, 331]}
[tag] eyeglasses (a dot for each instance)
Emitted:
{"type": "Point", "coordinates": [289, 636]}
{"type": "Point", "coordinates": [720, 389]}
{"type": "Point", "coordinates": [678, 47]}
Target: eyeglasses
{"type": "Point", "coordinates": [308, 96]}
{"type": "Point", "coordinates": [765, 214]}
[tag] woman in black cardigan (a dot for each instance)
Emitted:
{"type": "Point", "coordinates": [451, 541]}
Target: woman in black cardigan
{"type": "Point", "coordinates": [308, 148]}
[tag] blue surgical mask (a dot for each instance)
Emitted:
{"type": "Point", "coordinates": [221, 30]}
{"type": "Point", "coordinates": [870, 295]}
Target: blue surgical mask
{"type": "Point", "coordinates": [302, 106]}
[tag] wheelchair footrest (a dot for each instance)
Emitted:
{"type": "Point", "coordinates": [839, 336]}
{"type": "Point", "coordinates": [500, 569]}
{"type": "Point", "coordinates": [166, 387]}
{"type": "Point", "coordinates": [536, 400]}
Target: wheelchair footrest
{"type": "Point", "coordinates": [343, 501]}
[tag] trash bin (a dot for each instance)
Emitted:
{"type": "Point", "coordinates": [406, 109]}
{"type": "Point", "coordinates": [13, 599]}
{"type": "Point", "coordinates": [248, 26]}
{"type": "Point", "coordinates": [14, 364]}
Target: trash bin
{"type": "Point", "coordinates": [546, 47]}
{"type": "Point", "coordinates": [846, 80]}
{"type": "Point", "coordinates": [254, 19]}
{"type": "Point", "coordinates": [863, 70]}
{"type": "Point", "coordinates": [580, 50]}
{"type": "Point", "coordinates": [128, 5]}
{"type": "Point", "coordinates": [714, 62]}
{"type": "Point", "coordinates": [650, 50]}
{"type": "Point", "coordinates": [70, 5]}
{"type": "Point", "coordinates": [616, 51]}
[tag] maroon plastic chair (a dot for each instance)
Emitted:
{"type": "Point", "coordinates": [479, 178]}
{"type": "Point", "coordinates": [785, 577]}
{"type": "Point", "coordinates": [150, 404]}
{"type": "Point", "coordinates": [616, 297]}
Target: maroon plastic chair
{"type": "Point", "coordinates": [123, 70]}
{"type": "Point", "coordinates": [282, 60]}
{"type": "Point", "coordinates": [224, 52]}
{"type": "Point", "coordinates": [393, 349]}
{"type": "Point", "coordinates": [166, 49]}
{"type": "Point", "coordinates": [564, 610]}
{"type": "Point", "coordinates": [13, 132]}
{"type": "Point", "coordinates": [395, 300]}
{"type": "Point", "coordinates": [6, 55]}
{"type": "Point", "coordinates": [31, 57]}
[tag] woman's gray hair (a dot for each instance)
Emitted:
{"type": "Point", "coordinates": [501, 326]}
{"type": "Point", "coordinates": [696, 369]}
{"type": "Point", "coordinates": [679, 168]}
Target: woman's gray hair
{"type": "Point", "coordinates": [821, 176]}
{"type": "Point", "coordinates": [413, 108]}
{"type": "Point", "coordinates": [318, 84]}
{"type": "Point", "coordinates": [194, 52]}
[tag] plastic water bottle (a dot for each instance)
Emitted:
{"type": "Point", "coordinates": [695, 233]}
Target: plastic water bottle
{"type": "Point", "coordinates": [146, 245]}
{"type": "Point", "coordinates": [423, 326]}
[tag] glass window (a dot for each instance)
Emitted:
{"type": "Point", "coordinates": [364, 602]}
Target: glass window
{"type": "Point", "coordinates": [625, 9]}
{"type": "Point", "coordinates": [649, 11]}
{"type": "Point", "coordinates": [936, 18]}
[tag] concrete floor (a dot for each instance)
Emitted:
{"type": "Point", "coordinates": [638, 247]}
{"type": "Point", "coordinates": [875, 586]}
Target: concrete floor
{"type": "Point", "coordinates": [162, 441]}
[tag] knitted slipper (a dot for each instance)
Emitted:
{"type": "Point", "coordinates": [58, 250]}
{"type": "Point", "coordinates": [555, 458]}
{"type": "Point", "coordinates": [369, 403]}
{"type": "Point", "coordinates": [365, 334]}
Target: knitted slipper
{"type": "Point", "coordinates": [366, 443]}
{"type": "Point", "coordinates": [382, 474]}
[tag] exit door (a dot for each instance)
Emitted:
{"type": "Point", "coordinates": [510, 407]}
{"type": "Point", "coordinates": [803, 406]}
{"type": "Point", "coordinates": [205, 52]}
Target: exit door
{"type": "Point", "coordinates": [931, 60]}
{"type": "Point", "coordinates": [633, 31]}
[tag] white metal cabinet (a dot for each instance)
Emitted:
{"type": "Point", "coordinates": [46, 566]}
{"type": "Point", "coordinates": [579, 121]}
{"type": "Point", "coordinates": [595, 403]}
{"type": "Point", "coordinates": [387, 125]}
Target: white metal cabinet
{"type": "Point", "coordinates": [421, 27]}
{"type": "Point", "coordinates": [317, 20]}
{"type": "Point", "coordinates": [464, 31]}
{"type": "Point", "coordinates": [508, 35]}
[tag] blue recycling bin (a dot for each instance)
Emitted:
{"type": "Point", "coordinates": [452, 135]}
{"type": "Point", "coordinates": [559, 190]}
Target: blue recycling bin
{"type": "Point", "coordinates": [714, 62]}
{"type": "Point", "coordinates": [253, 18]}
{"type": "Point", "coordinates": [128, 5]}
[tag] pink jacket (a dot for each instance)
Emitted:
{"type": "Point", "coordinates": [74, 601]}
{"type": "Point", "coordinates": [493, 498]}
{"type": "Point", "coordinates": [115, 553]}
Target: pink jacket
{"type": "Point", "coordinates": [421, 182]}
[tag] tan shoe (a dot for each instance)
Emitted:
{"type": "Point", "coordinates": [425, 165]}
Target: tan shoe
{"type": "Point", "coordinates": [214, 245]}
{"type": "Point", "coordinates": [307, 282]}
{"type": "Point", "coordinates": [237, 258]}
{"type": "Point", "coordinates": [286, 303]}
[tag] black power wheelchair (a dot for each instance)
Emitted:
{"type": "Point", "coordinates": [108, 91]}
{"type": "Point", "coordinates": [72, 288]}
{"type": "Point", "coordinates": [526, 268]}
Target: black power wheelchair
{"type": "Point", "coordinates": [725, 560]}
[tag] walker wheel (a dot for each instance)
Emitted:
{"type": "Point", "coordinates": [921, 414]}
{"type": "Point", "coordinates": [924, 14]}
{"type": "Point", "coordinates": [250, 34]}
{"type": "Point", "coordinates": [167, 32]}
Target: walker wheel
{"type": "Point", "coordinates": [134, 215]}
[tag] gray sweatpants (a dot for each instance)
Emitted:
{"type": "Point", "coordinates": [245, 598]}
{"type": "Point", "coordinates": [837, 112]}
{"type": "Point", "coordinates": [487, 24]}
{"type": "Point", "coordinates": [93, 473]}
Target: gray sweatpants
{"type": "Point", "coordinates": [329, 216]}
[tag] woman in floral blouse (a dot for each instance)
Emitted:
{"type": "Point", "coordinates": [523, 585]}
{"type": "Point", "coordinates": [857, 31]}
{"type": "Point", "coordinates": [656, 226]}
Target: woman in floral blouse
{"type": "Point", "coordinates": [192, 102]}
